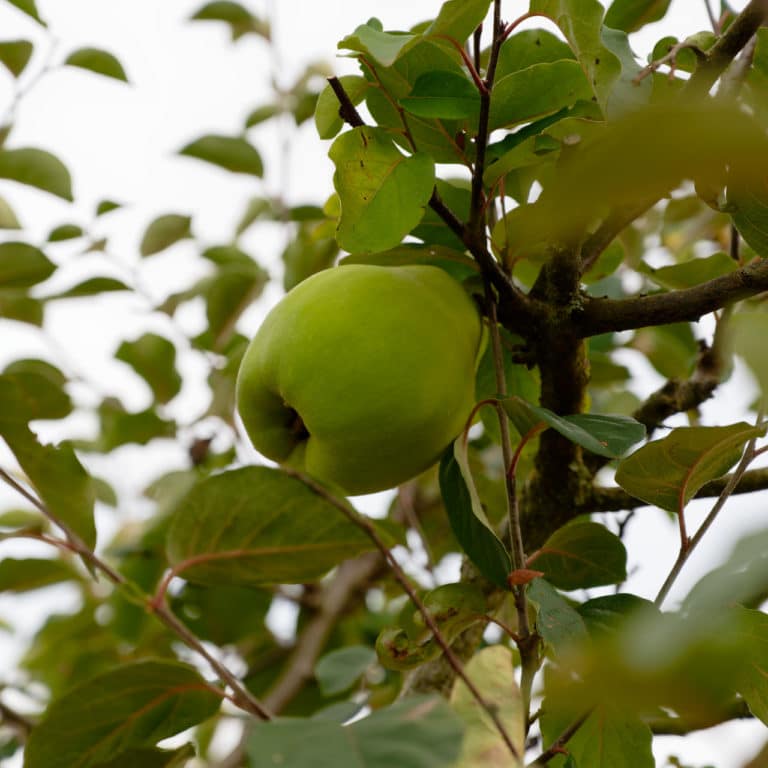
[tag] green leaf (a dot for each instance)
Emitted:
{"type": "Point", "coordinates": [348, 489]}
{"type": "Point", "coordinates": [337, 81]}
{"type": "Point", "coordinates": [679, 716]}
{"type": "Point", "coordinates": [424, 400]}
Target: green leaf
{"type": "Point", "coordinates": [531, 46]}
{"type": "Point", "coordinates": [152, 758]}
{"type": "Point", "coordinates": [631, 15]}
{"type": "Point", "coordinates": [65, 232]}
{"type": "Point", "coordinates": [581, 555]}
{"type": "Point", "coordinates": [443, 95]}
{"type": "Point", "coordinates": [559, 625]}
{"type": "Point", "coordinates": [90, 287]}
{"type": "Point", "coordinates": [261, 115]}
{"type": "Point", "coordinates": [36, 168]}
{"type": "Point", "coordinates": [327, 119]}
{"type": "Point", "coordinates": [609, 436]}
{"type": "Point", "coordinates": [339, 670]}
{"type": "Point", "coordinates": [119, 427]}
{"type": "Point", "coordinates": [453, 607]}
{"type": "Point", "coordinates": [8, 218]}
{"type": "Point", "coordinates": [233, 153]}
{"type": "Point", "coordinates": [492, 671]}
{"type": "Point", "coordinates": [257, 209]}
{"type": "Point", "coordinates": [98, 61]}
{"type": "Point", "coordinates": [748, 207]}
{"type": "Point", "coordinates": [153, 357]}
{"type": "Point", "coordinates": [16, 305]}
{"type": "Point", "coordinates": [15, 54]}
{"type": "Point", "coordinates": [240, 20]}
{"type": "Point", "coordinates": [383, 193]}
{"type": "Point", "coordinates": [607, 739]}
{"type": "Point", "coordinates": [165, 231]}
{"type": "Point", "coordinates": [383, 47]}
{"type": "Point", "coordinates": [608, 614]}
{"type": "Point", "coordinates": [753, 683]}
{"type": "Point", "coordinates": [32, 573]}
{"type": "Point", "coordinates": [746, 331]}
{"type": "Point", "coordinates": [454, 262]}
{"type": "Point", "coordinates": [135, 705]}
{"type": "Point", "coordinates": [538, 90]}
{"type": "Point", "coordinates": [671, 349]}
{"type": "Point", "coordinates": [693, 272]}
{"type": "Point", "coordinates": [107, 206]}
{"type": "Point", "coordinates": [668, 473]}
{"type": "Point", "coordinates": [60, 479]}
{"type": "Point", "coordinates": [254, 526]}
{"type": "Point", "coordinates": [418, 732]}
{"type": "Point", "coordinates": [30, 8]}
{"type": "Point", "coordinates": [22, 265]}
{"type": "Point", "coordinates": [468, 520]}
{"type": "Point", "coordinates": [41, 386]}
{"type": "Point", "coordinates": [458, 19]}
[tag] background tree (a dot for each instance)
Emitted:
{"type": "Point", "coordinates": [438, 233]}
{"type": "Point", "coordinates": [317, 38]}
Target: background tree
{"type": "Point", "coordinates": [593, 205]}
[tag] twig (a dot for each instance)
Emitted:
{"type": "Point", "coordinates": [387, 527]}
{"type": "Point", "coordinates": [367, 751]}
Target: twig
{"type": "Point", "coordinates": [368, 528]}
{"type": "Point", "coordinates": [556, 748]}
{"type": "Point", "coordinates": [687, 548]}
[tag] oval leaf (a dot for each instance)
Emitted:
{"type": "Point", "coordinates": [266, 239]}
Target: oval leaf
{"type": "Point", "coordinates": [229, 152]}
{"type": "Point", "coordinates": [492, 671]}
{"type": "Point", "coordinates": [631, 15]}
{"type": "Point", "coordinates": [256, 525]}
{"type": "Point", "coordinates": [163, 232]}
{"type": "Point", "coordinates": [559, 625]}
{"type": "Point", "coordinates": [15, 54]}
{"type": "Point", "coordinates": [443, 95]}
{"type": "Point", "coordinates": [153, 357]}
{"type": "Point", "coordinates": [338, 670]}
{"type": "Point", "coordinates": [32, 573]}
{"type": "Point", "coordinates": [98, 61]}
{"type": "Point", "coordinates": [30, 8]}
{"type": "Point", "coordinates": [136, 705]}
{"type": "Point", "coordinates": [468, 520]}
{"type": "Point", "coordinates": [383, 193]}
{"type": "Point", "coordinates": [36, 168]}
{"type": "Point", "coordinates": [581, 555]}
{"type": "Point", "coordinates": [668, 473]}
{"type": "Point", "coordinates": [23, 265]}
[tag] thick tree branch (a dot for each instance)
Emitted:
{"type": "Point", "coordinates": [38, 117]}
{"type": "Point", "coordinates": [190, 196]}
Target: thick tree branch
{"type": "Point", "coordinates": [725, 50]}
{"type": "Point", "coordinates": [598, 316]}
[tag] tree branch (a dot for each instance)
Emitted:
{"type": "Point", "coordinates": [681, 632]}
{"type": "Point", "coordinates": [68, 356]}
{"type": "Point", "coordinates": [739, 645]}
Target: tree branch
{"type": "Point", "coordinates": [728, 46]}
{"type": "Point", "coordinates": [598, 315]}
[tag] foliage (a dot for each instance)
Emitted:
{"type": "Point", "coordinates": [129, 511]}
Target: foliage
{"type": "Point", "coordinates": [597, 207]}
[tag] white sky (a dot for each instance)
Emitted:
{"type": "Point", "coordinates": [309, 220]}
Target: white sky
{"type": "Point", "coordinates": [119, 141]}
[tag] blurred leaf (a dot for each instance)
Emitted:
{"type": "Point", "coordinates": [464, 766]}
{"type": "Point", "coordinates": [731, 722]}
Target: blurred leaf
{"type": "Point", "coordinates": [30, 8]}
{"type": "Point", "coordinates": [383, 47]}
{"type": "Point", "coordinates": [153, 357]}
{"type": "Point", "coordinates": [240, 20]}
{"type": "Point", "coordinates": [609, 613]}
{"type": "Point", "coordinates": [631, 15]}
{"type": "Point", "coordinates": [327, 119]}
{"type": "Point", "coordinates": [753, 685]}
{"type": "Point", "coordinates": [749, 210]}
{"type": "Point", "coordinates": [8, 219]}
{"type": "Point", "coordinates": [90, 287]}
{"type": "Point", "coordinates": [119, 427]}
{"type": "Point", "coordinates": [468, 519]}
{"type": "Point", "coordinates": [223, 614]}
{"type": "Point", "coordinates": [152, 758]}
{"type": "Point", "coordinates": [22, 265]}
{"type": "Point", "coordinates": [453, 607]}
{"type": "Point", "coordinates": [32, 573]}
{"type": "Point", "coordinates": [164, 231]}
{"type": "Point", "coordinates": [559, 625]}
{"type": "Point", "coordinates": [41, 387]}
{"type": "Point", "coordinates": [339, 670]}
{"type": "Point", "coordinates": [693, 272]}
{"type": "Point", "coordinates": [668, 473]}
{"type": "Point", "coordinates": [65, 232]}
{"type": "Point", "coordinates": [135, 705]}
{"type": "Point", "coordinates": [671, 349]}
{"type": "Point", "coordinates": [745, 332]}
{"type": "Point", "coordinates": [98, 61]}
{"type": "Point", "coordinates": [443, 95]}
{"type": "Point", "coordinates": [538, 90]}
{"type": "Point", "coordinates": [36, 168]}
{"type": "Point", "coordinates": [309, 252]}
{"type": "Point", "coordinates": [607, 739]}
{"type": "Point", "coordinates": [581, 555]}
{"type": "Point", "coordinates": [16, 305]}
{"type": "Point", "coordinates": [254, 526]}
{"type": "Point", "coordinates": [383, 193]}
{"type": "Point", "coordinates": [261, 114]}
{"type": "Point", "coordinates": [418, 732]}
{"type": "Point", "coordinates": [492, 671]}
{"type": "Point", "coordinates": [107, 206]}
{"type": "Point", "coordinates": [258, 209]}
{"type": "Point", "coordinates": [232, 153]}
{"type": "Point", "coordinates": [15, 54]}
